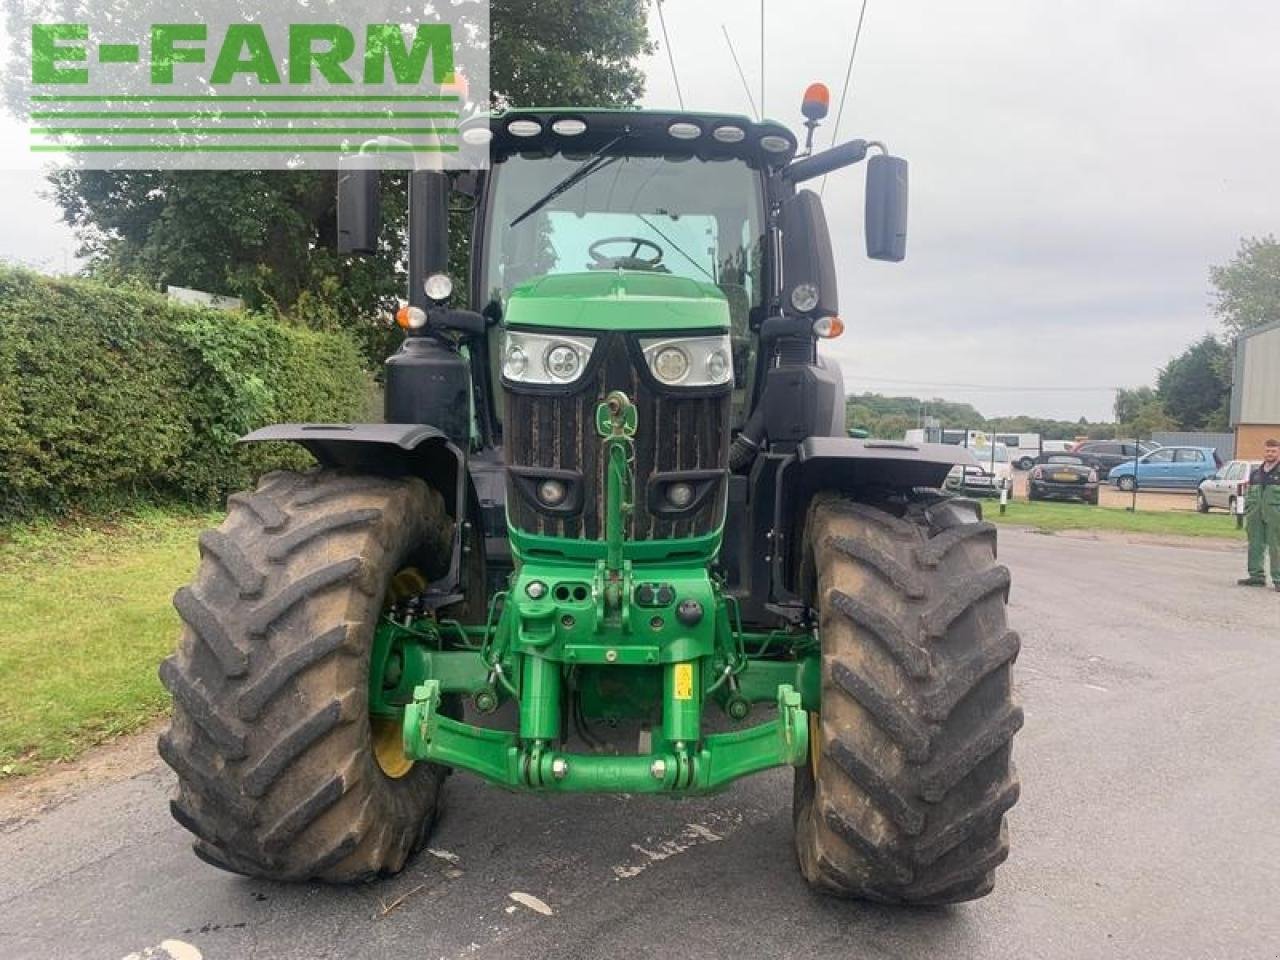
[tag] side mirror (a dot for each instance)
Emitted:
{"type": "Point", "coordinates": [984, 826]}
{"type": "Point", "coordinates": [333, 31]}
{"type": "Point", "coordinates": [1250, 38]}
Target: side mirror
{"type": "Point", "coordinates": [886, 217]}
{"type": "Point", "coordinates": [808, 268]}
{"type": "Point", "coordinates": [359, 204]}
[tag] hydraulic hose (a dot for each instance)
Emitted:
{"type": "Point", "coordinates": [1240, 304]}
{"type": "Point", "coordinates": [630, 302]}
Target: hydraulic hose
{"type": "Point", "coordinates": [747, 443]}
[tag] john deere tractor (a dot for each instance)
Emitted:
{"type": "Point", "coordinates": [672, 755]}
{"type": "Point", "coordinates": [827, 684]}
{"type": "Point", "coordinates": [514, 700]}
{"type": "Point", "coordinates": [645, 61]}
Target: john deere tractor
{"type": "Point", "coordinates": [612, 537]}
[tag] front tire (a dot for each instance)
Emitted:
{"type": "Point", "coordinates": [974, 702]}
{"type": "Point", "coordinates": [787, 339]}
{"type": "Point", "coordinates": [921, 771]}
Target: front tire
{"type": "Point", "coordinates": [1127, 484]}
{"type": "Point", "coordinates": [911, 775]}
{"type": "Point", "coordinates": [1202, 505]}
{"type": "Point", "coordinates": [281, 772]}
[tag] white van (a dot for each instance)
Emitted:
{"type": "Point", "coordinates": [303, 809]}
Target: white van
{"type": "Point", "coordinates": [952, 435]}
{"type": "Point", "coordinates": [1023, 448]}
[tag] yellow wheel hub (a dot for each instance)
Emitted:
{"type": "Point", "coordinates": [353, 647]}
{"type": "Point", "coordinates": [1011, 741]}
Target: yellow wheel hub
{"type": "Point", "coordinates": [387, 739]}
{"type": "Point", "coordinates": [388, 747]}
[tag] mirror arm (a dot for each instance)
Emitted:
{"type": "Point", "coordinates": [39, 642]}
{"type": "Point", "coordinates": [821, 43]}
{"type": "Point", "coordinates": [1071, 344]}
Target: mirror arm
{"type": "Point", "coordinates": [845, 155]}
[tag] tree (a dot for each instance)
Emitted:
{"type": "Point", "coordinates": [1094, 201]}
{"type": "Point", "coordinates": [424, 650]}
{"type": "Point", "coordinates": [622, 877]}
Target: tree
{"type": "Point", "coordinates": [890, 417]}
{"type": "Point", "coordinates": [567, 51]}
{"type": "Point", "coordinates": [1139, 413]}
{"type": "Point", "coordinates": [1192, 387]}
{"type": "Point", "coordinates": [1130, 401]}
{"type": "Point", "coordinates": [1247, 290]}
{"type": "Point", "coordinates": [268, 236]}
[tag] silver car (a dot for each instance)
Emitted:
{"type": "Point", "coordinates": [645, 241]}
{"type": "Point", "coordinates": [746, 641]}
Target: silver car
{"type": "Point", "coordinates": [1223, 487]}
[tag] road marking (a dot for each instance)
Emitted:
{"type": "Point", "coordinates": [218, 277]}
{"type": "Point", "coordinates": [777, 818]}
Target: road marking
{"type": "Point", "coordinates": [693, 835]}
{"type": "Point", "coordinates": [167, 950]}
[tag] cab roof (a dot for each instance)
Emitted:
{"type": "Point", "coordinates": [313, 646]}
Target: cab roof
{"type": "Point", "coordinates": [708, 136]}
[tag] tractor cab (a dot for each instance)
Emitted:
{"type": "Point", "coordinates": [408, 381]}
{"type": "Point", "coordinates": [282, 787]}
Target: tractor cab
{"type": "Point", "coordinates": [622, 219]}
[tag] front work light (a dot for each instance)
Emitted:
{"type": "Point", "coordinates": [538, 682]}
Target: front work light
{"type": "Point", "coordinates": [804, 297]}
{"type": "Point", "coordinates": [438, 287]}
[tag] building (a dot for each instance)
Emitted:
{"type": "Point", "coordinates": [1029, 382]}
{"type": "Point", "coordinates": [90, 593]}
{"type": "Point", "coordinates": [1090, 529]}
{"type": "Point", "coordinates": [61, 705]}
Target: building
{"type": "Point", "coordinates": [1255, 390]}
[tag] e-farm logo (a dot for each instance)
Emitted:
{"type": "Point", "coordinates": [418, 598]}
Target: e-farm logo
{"type": "Point", "coordinates": [292, 84]}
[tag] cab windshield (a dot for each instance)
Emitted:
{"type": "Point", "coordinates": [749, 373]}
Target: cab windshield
{"type": "Point", "coordinates": [683, 216]}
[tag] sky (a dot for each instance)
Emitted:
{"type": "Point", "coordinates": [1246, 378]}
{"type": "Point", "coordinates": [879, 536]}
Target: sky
{"type": "Point", "coordinates": [1075, 170]}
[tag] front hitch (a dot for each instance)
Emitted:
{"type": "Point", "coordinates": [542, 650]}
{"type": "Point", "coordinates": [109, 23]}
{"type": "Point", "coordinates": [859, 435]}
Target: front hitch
{"type": "Point", "coordinates": [500, 757]}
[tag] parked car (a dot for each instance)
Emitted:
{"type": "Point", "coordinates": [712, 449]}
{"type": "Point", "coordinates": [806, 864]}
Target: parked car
{"type": "Point", "coordinates": [1183, 467]}
{"type": "Point", "coordinates": [1102, 455]}
{"type": "Point", "coordinates": [988, 477]}
{"type": "Point", "coordinates": [1057, 446]}
{"type": "Point", "coordinates": [1023, 448]}
{"type": "Point", "coordinates": [1063, 476]}
{"type": "Point", "coordinates": [1222, 489]}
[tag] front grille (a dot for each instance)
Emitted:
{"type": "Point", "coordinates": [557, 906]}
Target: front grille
{"type": "Point", "coordinates": [557, 430]}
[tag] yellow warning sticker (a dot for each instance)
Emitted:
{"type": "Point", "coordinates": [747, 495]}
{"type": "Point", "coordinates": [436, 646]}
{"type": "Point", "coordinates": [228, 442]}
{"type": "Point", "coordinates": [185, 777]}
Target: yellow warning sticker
{"type": "Point", "coordinates": [684, 681]}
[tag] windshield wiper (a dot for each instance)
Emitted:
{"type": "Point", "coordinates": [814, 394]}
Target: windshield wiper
{"type": "Point", "coordinates": [646, 221]}
{"type": "Point", "coordinates": [597, 161]}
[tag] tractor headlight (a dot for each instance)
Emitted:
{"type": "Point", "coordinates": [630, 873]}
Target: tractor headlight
{"type": "Point", "coordinates": [670, 364]}
{"type": "Point", "coordinates": [563, 363]}
{"type": "Point", "coordinates": [544, 358]}
{"type": "Point", "coordinates": [689, 361]}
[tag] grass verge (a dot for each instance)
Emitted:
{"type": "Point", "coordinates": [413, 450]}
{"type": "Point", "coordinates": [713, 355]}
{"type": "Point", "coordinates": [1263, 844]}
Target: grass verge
{"type": "Point", "coordinates": [1079, 516]}
{"type": "Point", "coordinates": [85, 618]}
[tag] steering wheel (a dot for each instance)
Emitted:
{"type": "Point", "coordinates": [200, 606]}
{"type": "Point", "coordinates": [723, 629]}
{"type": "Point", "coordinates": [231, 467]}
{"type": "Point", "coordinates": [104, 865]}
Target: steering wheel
{"type": "Point", "coordinates": [631, 261]}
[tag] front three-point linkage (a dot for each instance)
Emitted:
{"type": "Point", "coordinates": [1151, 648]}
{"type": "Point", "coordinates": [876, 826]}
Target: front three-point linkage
{"type": "Point", "coordinates": [616, 421]}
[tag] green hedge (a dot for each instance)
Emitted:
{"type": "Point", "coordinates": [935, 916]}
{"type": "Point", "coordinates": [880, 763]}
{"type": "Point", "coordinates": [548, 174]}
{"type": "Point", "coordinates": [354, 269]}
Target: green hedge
{"type": "Point", "coordinates": [109, 394]}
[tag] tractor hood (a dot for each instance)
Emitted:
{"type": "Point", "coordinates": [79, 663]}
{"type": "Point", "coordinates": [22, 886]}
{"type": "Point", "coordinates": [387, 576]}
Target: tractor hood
{"type": "Point", "coordinates": [618, 300]}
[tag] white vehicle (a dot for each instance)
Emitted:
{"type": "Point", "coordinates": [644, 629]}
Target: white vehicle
{"type": "Point", "coordinates": [1023, 448]}
{"type": "Point", "coordinates": [954, 436]}
{"type": "Point", "coordinates": [1223, 487]}
{"type": "Point", "coordinates": [1057, 446]}
{"type": "Point", "coordinates": [990, 475]}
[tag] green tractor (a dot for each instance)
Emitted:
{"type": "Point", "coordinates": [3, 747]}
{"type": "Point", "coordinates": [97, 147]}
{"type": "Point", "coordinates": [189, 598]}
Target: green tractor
{"type": "Point", "coordinates": [613, 536]}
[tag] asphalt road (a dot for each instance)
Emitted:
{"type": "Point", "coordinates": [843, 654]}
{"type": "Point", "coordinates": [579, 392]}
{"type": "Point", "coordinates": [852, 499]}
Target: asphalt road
{"type": "Point", "coordinates": [1148, 826]}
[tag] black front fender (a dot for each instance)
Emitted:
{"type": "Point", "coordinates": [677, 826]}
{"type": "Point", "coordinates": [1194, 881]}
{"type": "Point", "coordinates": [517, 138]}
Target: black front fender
{"type": "Point", "coordinates": [855, 468]}
{"type": "Point", "coordinates": [394, 450]}
{"type": "Point", "coordinates": [845, 464]}
{"type": "Point", "coordinates": [385, 449]}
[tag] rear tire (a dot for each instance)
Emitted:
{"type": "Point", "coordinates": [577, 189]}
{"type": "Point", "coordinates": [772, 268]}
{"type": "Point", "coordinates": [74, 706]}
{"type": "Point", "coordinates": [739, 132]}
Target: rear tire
{"type": "Point", "coordinates": [904, 800]}
{"type": "Point", "coordinates": [1026, 463]}
{"type": "Point", "coordinates": [271, 735]}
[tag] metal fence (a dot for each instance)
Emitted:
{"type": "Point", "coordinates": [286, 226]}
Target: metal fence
{"type": "Point", "coordinates": [1224, 443]}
